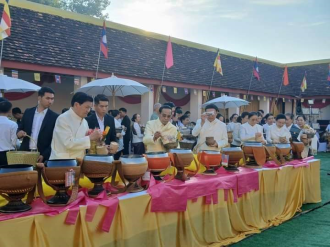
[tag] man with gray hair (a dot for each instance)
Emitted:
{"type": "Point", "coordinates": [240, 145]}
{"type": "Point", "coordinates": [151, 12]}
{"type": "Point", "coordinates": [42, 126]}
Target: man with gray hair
{"type": "Point", "coordinates": [154, 115]}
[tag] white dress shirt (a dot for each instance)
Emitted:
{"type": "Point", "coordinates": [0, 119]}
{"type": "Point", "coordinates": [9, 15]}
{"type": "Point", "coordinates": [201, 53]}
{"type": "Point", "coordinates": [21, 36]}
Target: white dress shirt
{"type": "Point", "coordinates": [274, 133]}
{"type": "Point", "coordinates": [248, 132]}
{"type": "Point", "coordinates": [231, 126]}
{"type": "Point", "coordinates": [121, 139]}
{"type": "Point", "coordinates": [328, 128]}
{"type": "Point", "coordinates": [8, 131]}
{"type": "Point", "coordinates": [101, 122]}
{"type": "Point", "coordinates": [266, 127]}
{"type": "Point", "coordinates": [139, 136]}
{"type": "Point", "coordinates": [36, 125]}
{"type": "Point", "coordinates": [216, 129]}
{"type": "Point", "coordinates": [236, 135]}
{"type": "Point", "coordinates": [288, 128]}
{"type": "Point", "coordinates": [70, 139]}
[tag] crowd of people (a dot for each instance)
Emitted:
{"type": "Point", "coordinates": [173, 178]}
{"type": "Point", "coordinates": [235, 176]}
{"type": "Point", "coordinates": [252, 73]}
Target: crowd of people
{"type": "Point", "coordinates": [65, 136]}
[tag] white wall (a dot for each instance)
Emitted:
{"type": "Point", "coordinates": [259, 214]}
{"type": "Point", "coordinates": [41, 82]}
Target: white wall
{"type": "Point", "coordinates": [325, 113]}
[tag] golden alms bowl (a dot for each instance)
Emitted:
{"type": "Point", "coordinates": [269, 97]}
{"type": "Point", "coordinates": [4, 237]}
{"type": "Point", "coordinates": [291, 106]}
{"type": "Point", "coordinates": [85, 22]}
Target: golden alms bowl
{"type": "Point", "coordinates": [15, 182]}
{"type": "Point", "coordinates": [56, 175]}
{"type": "Point", "coordinates": [97, 168]}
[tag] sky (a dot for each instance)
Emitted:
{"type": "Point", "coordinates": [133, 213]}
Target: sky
{"type": "Point", "coordinates": [283, 31]}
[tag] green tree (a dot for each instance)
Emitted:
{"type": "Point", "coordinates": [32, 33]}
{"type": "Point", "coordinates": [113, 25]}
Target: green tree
{"type": "Point", "coordinates": [85, 7]}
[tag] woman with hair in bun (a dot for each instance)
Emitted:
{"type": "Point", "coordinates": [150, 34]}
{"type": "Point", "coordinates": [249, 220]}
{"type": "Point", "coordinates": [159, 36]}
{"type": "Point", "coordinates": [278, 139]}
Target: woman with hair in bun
{"type": "Point", "coordinates": [278, 133]}
{"type": "Point", "coordinates": [251, 131]}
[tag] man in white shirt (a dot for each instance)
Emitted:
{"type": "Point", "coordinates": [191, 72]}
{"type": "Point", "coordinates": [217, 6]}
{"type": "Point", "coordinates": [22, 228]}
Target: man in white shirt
{"type": "Point", "coordinates": [210, 126]}
{"type": "Point", "coordinates": [294, 130]}
{"type": "Point", "coordinates": [70, 139]}
{"type": "Point", "coordinates": [38, 123]}
{"type": "Point", "coordinates": [161, 127]}
{"type": "Point", "coordinates": [100, 119]}
{"type": "Point", "coordinates": [7, 131]}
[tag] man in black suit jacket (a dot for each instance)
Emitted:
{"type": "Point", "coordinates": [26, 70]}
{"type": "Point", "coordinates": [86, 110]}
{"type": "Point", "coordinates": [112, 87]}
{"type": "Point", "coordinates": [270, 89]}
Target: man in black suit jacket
{"type": "Point", "coordinates": [127, 123]}
{"type": "Point", "coordinates": [100, 119]}
{"type": "Point", "coordinates": [39, 122]}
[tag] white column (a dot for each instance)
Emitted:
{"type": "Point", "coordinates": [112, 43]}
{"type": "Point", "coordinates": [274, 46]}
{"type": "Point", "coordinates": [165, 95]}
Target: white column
{"type": "Point", "coordinates": [232, 111]}
{"type": "Point", "coordinates": [147, 105]}
{"type": "Point", "coordinates": [264, 105]}
{"type": "Point", "coordinates": [195, 105]}
{"type": "Point", "coordinates": [288, 106]}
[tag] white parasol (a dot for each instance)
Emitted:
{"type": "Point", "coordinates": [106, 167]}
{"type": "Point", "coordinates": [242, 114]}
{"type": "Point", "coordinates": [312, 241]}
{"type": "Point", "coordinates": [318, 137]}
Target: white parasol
{"type": "Point", "coordinates": [114, 86]}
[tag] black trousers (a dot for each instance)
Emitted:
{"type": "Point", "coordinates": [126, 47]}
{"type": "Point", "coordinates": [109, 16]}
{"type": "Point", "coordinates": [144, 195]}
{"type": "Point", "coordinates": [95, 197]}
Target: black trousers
{"type": "Point", "coordinates": [3, 158]}
{"type": "Point", "coordinates": [126, 147]}
{"type": "Point", "coordinates": [117, 155]}
{"type": "Point", "coordinates": [138, 148]}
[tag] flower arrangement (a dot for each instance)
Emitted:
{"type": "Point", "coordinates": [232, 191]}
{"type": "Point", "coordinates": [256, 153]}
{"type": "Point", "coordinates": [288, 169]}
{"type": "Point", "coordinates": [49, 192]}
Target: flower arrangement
{"type": "Point", "coordinates": [309, 132]}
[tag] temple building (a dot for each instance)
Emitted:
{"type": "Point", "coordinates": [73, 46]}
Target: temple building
{"type": "Point", "coordinates": [48, 43]}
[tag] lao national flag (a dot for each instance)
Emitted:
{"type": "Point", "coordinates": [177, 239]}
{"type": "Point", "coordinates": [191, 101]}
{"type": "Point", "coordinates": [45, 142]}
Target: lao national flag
{"type": "Point", "coordinates": [256, 69]}
{"type": "Point", "coordinates": [104, 46]}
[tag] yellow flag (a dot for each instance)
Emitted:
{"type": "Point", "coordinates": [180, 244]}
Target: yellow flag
{"type": "Point", "coordinates": [175, 90]}
{"type": "Point", "coordinates": [37, 76]}
{"type": "Point", "coordinates": [217, 64]}
{"type": "Point", "coordinates": [204, 93]}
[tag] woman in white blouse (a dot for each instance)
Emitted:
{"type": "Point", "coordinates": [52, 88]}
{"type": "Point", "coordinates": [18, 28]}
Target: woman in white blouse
{"type": "Point", "coordinates": [137, 140]}
{"type": "Point", "coordinates": [251, 131]}
{"type": "Point", "coordinates": [278, 133]}
{"type": "Point", "coordinates": [116, 116]}
{"type": "Point", "coordinates": [233, 122]}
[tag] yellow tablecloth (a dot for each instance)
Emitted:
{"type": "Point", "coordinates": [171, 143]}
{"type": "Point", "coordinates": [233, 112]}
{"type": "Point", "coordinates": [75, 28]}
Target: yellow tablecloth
{"type": "Point", "coordinates": [282, 193]}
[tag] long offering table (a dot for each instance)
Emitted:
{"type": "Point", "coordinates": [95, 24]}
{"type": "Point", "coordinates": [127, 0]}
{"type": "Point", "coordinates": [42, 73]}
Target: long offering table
{"type": "Point", "coordinates": [130, 221]}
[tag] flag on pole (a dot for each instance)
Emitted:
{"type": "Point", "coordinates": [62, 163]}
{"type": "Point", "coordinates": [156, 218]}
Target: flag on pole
{"type": "Point", "coordinates": [76, 80]}
{"type": "Point", "coordinates": [256, 69]}
{"type": "Point", "coordinates": [303, 85]}
{"type": "Point", "coordinates": [37, 76]}
{"type": "Point", "coordinates": [14, 74]}
{"type": "Point", "coordinates": [329, 76]}
{"type": "Point", "coordinates": [57, 79]}
{"type": "Point", "coordinates": [5, 23]}
{"type": "Point", "coordinates": [175, 90]}
{"type": "Point", "coordinates": [285, 77]}
{"type": "Point", "coordinates": [217, 64]}
{"type": "Point", "coordinates": [169, 54]}
{"type": "Point", "coordinates": [104, 45]}
{"type": "Point", "coordinates": [164, 89]}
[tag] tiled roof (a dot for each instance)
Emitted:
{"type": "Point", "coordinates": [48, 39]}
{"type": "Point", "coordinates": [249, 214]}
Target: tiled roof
{"type": "Point", "coordinates": [51, 40]}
